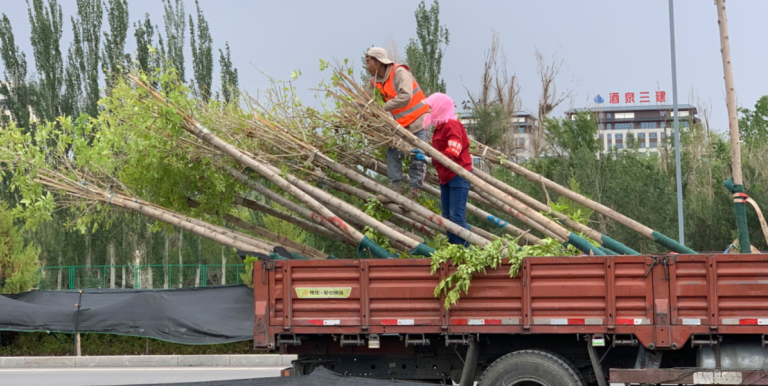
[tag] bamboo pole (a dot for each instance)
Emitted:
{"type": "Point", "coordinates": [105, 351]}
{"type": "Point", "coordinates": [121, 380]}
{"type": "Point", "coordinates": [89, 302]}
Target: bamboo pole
{"type": "Point", "coordinates": [303, 224]}
{"type": "Point", "coordinates": [290, 205]}
{"type": "Point", "coordinates": [315, 156]}
{"type": "Point", "coordinates": [733, 123]}
{"type": "Point", "coordinates": [255, 242]}
{"type": "Point", "coordinates": [415, 220]}
{"type": "Point", "coordinates": [195, 128]}
{"type": "Point", "coordinates": [152, 211]}
{"type": "Point", "coordinates": [360, 102]}
{"type": "Point", "coordinates": [403, 231]}
{"type": "Point", "coordinates": [273, 238]}
{"type": "Point", "coordinates": [417, 226]}
{"type": "Point", "coordinates": [401, 200]}
{"type": "Point", "coordinates": [503, 225]}
{"type": "Point", "coordinates": [329, 199]}
{"type": "Point", "coordinates": [494, 157]}
{"type": "Point", "coordinates": [531, 202]}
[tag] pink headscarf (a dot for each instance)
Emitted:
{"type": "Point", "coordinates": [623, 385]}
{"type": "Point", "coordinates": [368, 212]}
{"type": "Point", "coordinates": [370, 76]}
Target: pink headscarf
{"type": "Point", "coordinates": [442, 109]}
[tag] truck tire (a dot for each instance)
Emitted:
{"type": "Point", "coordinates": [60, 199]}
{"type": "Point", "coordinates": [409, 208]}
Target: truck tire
{"type": "Point", "coordinates": [531, 368]}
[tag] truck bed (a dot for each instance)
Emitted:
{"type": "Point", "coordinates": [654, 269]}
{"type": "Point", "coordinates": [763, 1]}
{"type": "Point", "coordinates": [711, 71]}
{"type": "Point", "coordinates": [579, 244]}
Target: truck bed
{"type": "Point", "coordinates": [662, 300]}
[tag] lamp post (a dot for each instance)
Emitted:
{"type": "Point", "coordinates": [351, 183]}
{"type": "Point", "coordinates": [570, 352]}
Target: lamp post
{"type": "Point", "coordinates": [676, 125]}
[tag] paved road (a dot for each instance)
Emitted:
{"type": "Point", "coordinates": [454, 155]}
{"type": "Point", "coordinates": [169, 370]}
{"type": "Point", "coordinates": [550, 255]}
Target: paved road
{"type": "Point", "coordinates": [127, 376]}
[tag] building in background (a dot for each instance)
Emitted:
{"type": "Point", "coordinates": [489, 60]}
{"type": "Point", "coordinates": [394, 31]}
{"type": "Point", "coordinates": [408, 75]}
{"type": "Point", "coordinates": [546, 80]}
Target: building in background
{"type": "Point", "coordinates": [5, 112]}
{"type": "Point", "coordinates": [518, 141]}
{"type": "Point", "coordinates": [647, 125]}
{"type": "Point", "coordinates": [4, 107]}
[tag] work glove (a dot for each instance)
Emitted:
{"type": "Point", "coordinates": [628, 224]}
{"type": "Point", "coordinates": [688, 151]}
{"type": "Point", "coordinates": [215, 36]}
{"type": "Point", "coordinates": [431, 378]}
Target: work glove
{"type": "Point", "coordinates": [418, 155]}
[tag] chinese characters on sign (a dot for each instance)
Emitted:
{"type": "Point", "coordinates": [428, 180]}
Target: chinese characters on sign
{"type": "Point", "coordinates": [323, 292]}
{"type": "Point", "coordinates": [629, 97]}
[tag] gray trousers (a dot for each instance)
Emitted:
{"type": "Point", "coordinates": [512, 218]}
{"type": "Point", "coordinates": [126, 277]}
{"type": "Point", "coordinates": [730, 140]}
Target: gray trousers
{"type": "Point", "coordinates": [417, 171]}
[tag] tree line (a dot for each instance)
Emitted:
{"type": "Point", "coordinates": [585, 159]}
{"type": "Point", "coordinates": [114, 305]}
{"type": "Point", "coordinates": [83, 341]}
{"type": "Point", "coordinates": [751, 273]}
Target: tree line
{"type": "Point", "coordinates": [641, 187]}
{"type": "Point", "coordinates": [70, 81]}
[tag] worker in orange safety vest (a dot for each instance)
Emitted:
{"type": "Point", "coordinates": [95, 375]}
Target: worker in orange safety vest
{"type": "Point", "coordinates": [405, 100]}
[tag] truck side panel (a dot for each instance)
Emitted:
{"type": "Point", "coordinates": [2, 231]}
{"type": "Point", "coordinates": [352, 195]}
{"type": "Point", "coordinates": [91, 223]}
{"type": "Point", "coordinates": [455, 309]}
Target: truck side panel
{"type": "Point", "coordinates": [661, 300]}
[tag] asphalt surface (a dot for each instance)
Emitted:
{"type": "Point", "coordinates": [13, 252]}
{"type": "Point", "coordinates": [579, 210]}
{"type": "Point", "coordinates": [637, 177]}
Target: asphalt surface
{"type": "Point", "coordinates": [131, 376]}
{"type": "Point", "coordinates": [128, 376]}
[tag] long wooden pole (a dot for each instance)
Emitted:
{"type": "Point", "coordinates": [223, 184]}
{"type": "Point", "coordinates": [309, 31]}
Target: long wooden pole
{"type": "Point", "coordinates": [268, 235]}
{"type": "Point", "coordinates": [331, 200]}
{"type": "Point", "coordinates": [733, 123]}
{"type": "Point", "coordinates": [494, 157]}
{"type": "Point", "coordinates": [501, 224]}
{"type": "Point", "coordinates": [290, 205]}
{"type": "Point", "coordinates": [195, 128]}
{"type": "Point", "coordinates": [301, 223]}
{"type": "Point", "coordinates": [401, 200]}
{"type": "Point", "coordinates": [506, 227]}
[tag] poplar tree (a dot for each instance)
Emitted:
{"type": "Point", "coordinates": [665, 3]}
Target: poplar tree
{"type": "Point", "coordinates": [14, 87]}
{"type": "Point", "coordinates": [424, 54]}
{"type": "Point", "coordinates": [174, 19]}
{"type": "Point", "coordinates": [229, 79]}
{"type": "Point", "coordinates": [113, 55]}
{"type": "Point", "coordinates": [46, 30]}
{"type": "Point", "coordinates": [202, 54]}
{"type": "Point", "coordinates": [87, 31]}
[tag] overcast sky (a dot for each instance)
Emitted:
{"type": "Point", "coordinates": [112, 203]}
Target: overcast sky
{"type": "Point", "coordinates": [608, 45]}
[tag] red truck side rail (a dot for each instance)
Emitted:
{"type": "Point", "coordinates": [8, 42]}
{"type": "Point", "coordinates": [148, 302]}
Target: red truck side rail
{"type": "Point", "coordinates": [661, 299]}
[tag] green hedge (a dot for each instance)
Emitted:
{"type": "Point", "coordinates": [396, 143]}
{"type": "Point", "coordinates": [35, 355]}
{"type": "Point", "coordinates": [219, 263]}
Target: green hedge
{"type": "Point", "coordinates": [45, 344]}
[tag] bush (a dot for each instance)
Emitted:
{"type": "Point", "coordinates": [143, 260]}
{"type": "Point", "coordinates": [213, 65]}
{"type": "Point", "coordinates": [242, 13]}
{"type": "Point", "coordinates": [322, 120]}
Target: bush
{"type": "Point", "coordinates": [52, 344]}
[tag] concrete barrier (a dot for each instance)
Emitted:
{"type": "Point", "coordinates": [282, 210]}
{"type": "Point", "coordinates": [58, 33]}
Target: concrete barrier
{"type": "Point", "coordinates": [36, 362]}
{"type": "Point", "coordinates": [266, 360]}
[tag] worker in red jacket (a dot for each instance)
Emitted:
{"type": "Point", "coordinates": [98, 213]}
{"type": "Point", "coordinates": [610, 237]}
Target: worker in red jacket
{"type": "Point", "coordinates": [450, 138]}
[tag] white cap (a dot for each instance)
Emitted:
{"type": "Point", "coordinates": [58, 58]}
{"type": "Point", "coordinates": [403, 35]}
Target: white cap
{"type": "Point", "coordinates": [379, 54]}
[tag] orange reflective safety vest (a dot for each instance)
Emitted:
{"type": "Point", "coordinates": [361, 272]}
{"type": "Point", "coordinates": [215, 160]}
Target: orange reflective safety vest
{"type": "Point", "coordinates": [416, 107]}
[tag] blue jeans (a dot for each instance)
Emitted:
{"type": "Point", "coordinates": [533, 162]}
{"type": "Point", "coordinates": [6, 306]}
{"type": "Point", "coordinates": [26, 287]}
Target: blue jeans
{"type": "Point", "coordinates": [453, 198]}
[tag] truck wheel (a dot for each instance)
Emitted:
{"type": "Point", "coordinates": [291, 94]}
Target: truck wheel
{"type": "Point", "coordinates": [531, 368]}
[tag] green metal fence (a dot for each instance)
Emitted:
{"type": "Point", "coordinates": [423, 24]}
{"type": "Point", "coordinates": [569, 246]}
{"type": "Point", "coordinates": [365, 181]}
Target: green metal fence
{"type": "Point", "coordinates": [139, 276]}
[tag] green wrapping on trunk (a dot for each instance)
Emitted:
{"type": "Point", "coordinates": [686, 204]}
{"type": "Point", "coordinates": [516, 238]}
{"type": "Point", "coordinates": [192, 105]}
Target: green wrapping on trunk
{"type": "Point", "coordinates": [296, 256]}
{"type": "Point", "coordinates": [617, 246]}
{"type": "Point", "coordinates": [583, 245]}
{"type": "Point", "coordinates": [376, 250]}
{"type": "Point", "coordinates": [422, 250]}
{"type": "Point", "coordinates": [741, 216]}
{"type": "Point", "coordinates": [672, 245]}
{"type": "Point", "coordinates": [608, 251]}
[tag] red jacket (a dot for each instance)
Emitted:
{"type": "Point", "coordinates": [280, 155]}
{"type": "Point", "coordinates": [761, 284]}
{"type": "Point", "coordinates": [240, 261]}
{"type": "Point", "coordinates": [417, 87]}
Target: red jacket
{"type": "Point", "coordinates": [450, 138]}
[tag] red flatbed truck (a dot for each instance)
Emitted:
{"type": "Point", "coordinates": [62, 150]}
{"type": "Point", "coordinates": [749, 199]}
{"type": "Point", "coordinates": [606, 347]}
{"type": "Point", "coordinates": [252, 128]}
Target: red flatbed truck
{"type": "Point", "coordinates": [563, 321]}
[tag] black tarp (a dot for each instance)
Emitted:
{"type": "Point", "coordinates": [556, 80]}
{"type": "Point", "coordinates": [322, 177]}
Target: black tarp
{"type": "Point", "coordinates": [209, 315]}
{"type": "Point", "coordinates": [319, 377]}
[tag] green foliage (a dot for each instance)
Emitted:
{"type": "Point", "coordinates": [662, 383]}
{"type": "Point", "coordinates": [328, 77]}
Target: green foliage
{"type": "Point", "coordinates": [247, 276]}
{"type": "Point", "coordinates": [229, 80]}
{"type": "Point", "coordinates": [113, 55]}
{"type": "Point", "coordinates": [567, 136]}
{"type": "Point", "coordinates": [476, 260]}
{"type": "Point", "coordinates": [424, 55]}
{"type": "Point", "coordinates": [87, 31]}
{"type": "Point", "coordinates": [491, 122]}
{"type": "Point", "coordinates": [46, 25]}
{"type": "Point", "coordinates": [174, 31]}
{"type": "Point", "coordinates": [753, 124]}
{"type": "Point", "coordinates": [147, 58]}
{"type": "Point", "coordinates": [578, 213]}
{"type": "Point", "coordinates": [202, 54]}
{"type": "Point", "coordinates": [18, 262]}
{"type": "Point", "coordinates": [52, 344]}
{"type": "Point", "coordinates": [375, 209]}
{"type": "Point", "coordinates": [283, 228]}
{"type": "Point", "coordinates": [19, 97]}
